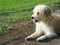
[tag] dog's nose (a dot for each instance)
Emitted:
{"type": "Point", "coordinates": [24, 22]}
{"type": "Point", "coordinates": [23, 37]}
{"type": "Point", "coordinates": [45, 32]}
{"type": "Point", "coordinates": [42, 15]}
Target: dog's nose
{"type": "Point", "coordinates": [32, 17]}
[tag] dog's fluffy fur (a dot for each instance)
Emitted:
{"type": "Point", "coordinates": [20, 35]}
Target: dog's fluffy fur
{"type": "Point", "coordinates": [47, 25]}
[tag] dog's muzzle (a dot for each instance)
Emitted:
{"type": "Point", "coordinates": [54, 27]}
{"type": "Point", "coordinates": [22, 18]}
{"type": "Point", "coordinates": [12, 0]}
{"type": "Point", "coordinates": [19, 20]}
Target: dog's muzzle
{"type": "Point", "coordinates": [34, 20]}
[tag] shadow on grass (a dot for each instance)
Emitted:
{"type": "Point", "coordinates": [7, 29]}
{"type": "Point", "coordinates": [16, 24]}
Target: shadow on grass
{"type": "Point", "coordinates": [8, 13]}
{"type": "Point", "coordinates": [57, 5]}
{"type": "Point", "coordinates": [4, 14]}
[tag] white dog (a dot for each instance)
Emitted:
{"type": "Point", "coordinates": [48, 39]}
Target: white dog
{"type": "Point", "coordinates": [47, 24]}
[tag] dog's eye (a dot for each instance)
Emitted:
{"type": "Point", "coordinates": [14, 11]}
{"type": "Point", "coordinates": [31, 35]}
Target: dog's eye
{"type": "Point", "coordinates": [38, 13]}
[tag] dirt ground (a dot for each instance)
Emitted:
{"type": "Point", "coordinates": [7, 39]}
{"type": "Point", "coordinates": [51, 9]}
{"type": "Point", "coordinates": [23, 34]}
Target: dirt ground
{"type": "Point", "coordinates": [16, 35]}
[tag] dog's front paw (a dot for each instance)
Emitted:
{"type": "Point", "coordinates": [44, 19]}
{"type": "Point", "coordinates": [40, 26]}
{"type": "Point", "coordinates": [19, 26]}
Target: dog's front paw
{"type": "Point", "coordinates": [29, 38]}
{"type": "Point", "coordinates": [41, 39]}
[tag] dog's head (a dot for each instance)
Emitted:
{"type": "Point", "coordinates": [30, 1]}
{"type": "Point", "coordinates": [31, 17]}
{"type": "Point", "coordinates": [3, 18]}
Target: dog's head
{"type": "Point", "coordinates": [41, 12]}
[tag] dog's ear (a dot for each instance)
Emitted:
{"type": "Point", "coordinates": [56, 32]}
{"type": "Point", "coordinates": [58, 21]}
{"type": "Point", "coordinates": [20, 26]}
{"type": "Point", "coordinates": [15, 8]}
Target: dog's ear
{"type": "Point", "coordinates": [48, 12]}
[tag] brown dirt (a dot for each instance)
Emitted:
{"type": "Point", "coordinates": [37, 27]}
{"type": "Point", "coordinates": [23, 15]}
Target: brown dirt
{"type": "Point", "coordinates": [16, 35]}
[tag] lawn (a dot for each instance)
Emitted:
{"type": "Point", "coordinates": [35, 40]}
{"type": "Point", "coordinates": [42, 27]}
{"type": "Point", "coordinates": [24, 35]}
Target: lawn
{"type": "Point", "coordinates": [21, 10]}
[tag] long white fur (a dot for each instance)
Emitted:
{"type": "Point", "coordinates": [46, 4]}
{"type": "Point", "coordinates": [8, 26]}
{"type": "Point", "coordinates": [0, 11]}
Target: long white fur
{"type": "Point", "coordinates": [41, 27]}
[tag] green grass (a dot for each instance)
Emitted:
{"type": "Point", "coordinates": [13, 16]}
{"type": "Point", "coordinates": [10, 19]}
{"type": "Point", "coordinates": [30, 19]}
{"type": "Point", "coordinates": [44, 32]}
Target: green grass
{"type": "Point", "coordinates": [21, 10]}
{"type": "Point", "coordinates": [4, 28]}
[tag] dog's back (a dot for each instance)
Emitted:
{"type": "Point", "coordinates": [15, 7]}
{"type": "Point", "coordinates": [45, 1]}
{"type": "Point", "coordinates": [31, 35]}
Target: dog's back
{"type": "Point", "coordinates": [56, 19]}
